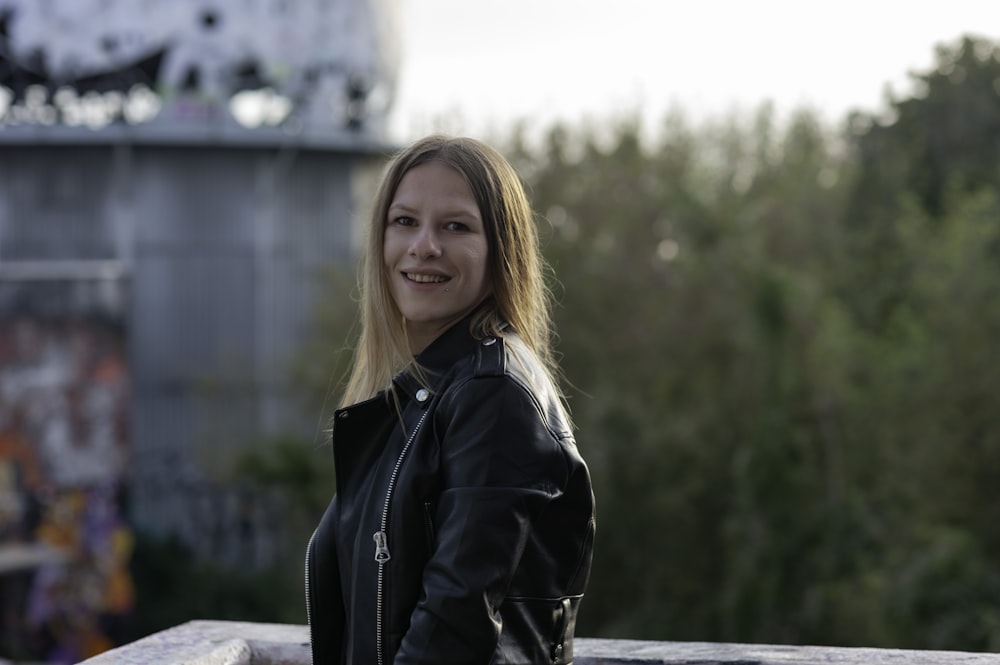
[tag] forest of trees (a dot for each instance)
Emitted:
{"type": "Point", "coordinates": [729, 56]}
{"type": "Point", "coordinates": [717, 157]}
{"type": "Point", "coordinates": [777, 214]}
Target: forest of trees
{"type": "Point", "coordinates": [780, 340]}
{"type": "Point", "coordinates": [783, 343]}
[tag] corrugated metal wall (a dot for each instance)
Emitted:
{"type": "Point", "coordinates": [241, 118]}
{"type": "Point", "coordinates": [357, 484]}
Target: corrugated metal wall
{"type": "Point", "coordinates": [51, 206]}
{"type": "Point", "coordinates": [220, 249]}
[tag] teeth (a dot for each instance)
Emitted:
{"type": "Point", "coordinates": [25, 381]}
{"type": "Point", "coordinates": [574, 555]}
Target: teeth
{"type": "Point", "coordinates": [425, 279]}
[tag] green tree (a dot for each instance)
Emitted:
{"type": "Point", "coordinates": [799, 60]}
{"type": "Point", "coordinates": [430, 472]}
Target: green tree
{"type": "Point", "coordinates": [942, 134]}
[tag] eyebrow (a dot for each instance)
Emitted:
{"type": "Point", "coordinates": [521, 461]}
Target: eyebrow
{"type": "Point", "coordinates": [457, 212]}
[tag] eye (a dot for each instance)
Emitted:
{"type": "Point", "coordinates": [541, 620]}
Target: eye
{"type": "Point", "coordinates": [403, 220]}
{"type": "Point", "coordinates": [456, 226]}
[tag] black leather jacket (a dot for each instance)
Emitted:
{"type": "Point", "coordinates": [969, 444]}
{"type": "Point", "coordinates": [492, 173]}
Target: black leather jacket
{"type": "Point", "coordinates": [463, 524]}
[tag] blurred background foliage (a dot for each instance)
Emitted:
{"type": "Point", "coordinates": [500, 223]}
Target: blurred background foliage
{"type": "Point", "coordinates": [780, 340]}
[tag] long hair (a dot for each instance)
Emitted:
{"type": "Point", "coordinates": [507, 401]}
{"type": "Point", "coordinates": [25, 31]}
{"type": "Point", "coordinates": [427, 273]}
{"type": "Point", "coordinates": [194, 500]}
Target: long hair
{"type": "Point", "coordinates": [515, 268]}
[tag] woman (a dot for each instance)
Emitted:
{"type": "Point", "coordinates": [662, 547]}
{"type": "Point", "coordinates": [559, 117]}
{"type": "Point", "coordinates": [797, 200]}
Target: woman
{"type": "Point", "coordinates": [463, 523]}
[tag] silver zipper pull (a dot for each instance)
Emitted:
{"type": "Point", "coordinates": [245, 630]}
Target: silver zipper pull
{"type": "Point", "coordinates": [381, 547]}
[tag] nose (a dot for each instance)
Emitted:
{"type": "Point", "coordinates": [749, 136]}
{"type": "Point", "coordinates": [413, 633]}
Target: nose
{"type": "Point", "coordinates": [425, 243]}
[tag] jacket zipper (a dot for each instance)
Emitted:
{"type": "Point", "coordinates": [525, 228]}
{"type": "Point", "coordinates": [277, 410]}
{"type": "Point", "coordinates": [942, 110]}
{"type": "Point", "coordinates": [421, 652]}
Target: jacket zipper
{"type": "Point", "coordinates": [309, 623]}
{"type": "Point", "coordinates": [382, 555]}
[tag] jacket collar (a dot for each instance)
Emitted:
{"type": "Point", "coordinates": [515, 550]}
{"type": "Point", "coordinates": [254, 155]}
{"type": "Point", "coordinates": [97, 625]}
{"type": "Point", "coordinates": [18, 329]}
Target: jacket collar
{"type": "Point", "coordinates": [452, 345]}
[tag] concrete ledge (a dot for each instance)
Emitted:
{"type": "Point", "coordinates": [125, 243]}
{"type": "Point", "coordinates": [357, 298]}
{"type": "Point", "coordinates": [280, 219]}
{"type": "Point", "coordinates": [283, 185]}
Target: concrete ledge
{"type": "Point", "coordinates": [238, 643]}
{"type": "Point", "coordinates": [215, 643]}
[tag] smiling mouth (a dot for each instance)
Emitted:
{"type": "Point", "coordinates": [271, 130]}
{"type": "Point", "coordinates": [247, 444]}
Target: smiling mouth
{"type": "Point", "coordinates": [425, 279]}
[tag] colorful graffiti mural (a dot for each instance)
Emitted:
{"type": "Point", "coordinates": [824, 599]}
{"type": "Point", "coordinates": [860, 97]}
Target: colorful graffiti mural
{"type": "Point", "coordinates": [64, 442]}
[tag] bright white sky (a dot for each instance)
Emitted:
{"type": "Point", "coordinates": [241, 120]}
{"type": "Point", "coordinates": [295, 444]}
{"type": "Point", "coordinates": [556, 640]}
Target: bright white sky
{"type": "Point", "coordinates": [474, 66]}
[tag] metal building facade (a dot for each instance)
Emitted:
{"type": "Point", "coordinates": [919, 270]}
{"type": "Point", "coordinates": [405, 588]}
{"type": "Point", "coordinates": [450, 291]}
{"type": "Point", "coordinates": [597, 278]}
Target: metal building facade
{"type": "Point", "coordinates": [174, 179]}
{"type": "Point", "coordinates": [212, 254]}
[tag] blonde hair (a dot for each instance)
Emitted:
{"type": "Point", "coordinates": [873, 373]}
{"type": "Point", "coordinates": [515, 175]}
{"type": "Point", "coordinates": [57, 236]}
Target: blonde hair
{"type": "Point", "coordinates": [515, 267]}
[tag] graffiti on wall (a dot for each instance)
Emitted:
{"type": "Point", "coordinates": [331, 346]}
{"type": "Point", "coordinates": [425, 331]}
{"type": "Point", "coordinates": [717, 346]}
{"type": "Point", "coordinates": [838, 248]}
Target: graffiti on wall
{"type": "Point", "coordinates": [64, 443]}
{"type": "Point", "coordinates": [318, 63]}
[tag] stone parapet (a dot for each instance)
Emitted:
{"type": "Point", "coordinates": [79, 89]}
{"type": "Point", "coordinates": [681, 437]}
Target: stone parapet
{"type": "Point", "coordinates": [240, 643]}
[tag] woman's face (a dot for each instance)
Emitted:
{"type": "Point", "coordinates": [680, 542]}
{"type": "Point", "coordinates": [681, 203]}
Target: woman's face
{"type": "Point", "coordinates": [435, 251]}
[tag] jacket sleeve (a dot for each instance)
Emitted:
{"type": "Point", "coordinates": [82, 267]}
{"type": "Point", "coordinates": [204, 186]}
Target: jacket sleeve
{"type": "Point", "coordinates": [500, 467]}
{"type": "Point", "coordinates": [324, 604]}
